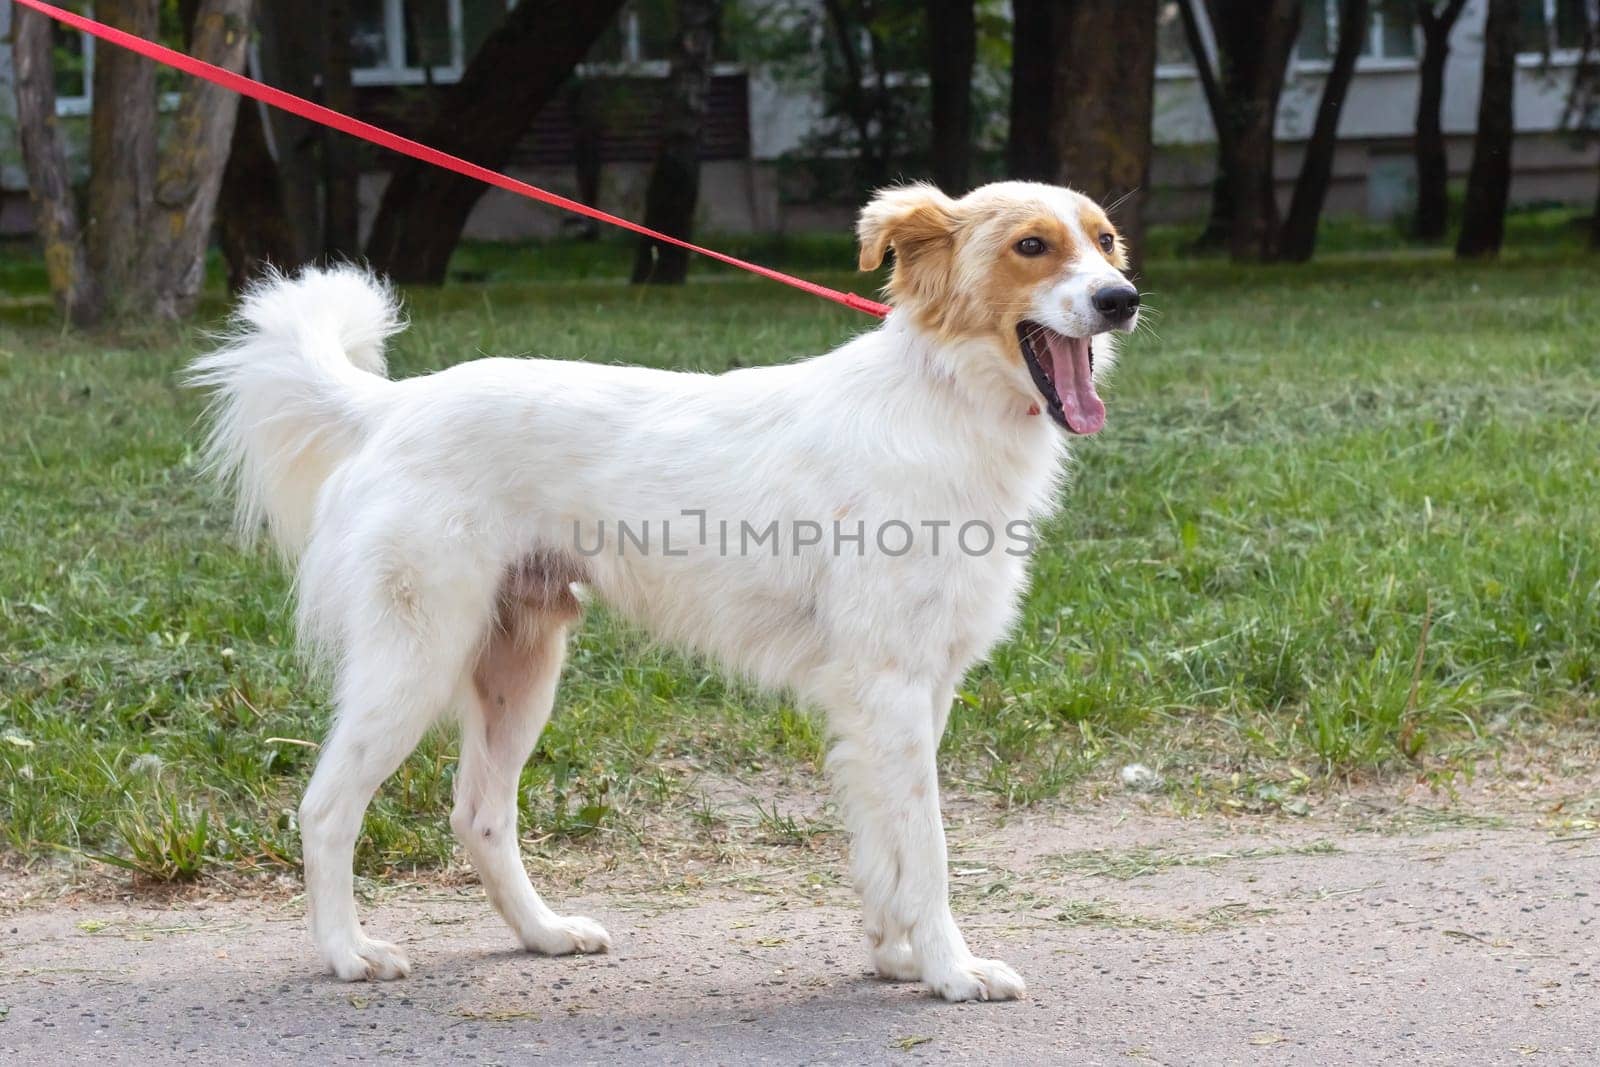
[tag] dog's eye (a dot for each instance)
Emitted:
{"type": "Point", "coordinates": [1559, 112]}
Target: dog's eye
{"type": "Point", "coordinates": [1031, 246]}
{"type": "Point", "coordinates": [1107, 243]}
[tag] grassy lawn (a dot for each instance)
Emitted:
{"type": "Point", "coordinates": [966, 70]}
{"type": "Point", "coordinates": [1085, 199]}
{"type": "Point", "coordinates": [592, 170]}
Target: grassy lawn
{"type": "Point", "coordinates": [1343, 522]}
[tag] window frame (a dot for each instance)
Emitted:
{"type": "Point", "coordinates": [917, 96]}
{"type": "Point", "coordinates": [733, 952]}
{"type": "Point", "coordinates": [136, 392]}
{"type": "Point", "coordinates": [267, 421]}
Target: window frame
{"type": "Point", "coordinates": [1377, 61]}
{"type": "Point", "coordinates": [395, 71]}
{"type": "Point", "coordinates": [634, 65]}
{"type": "Point", "coordinates": [1552, 55]}
{"type": "Point", "coordinates": [632, 62]}
{"type": "Point", "coordinates": [1365, 64]}
{"type": "Point", "coordinates": [82, 103]}
{"type": "Point", "coordinates": [1187, 69]}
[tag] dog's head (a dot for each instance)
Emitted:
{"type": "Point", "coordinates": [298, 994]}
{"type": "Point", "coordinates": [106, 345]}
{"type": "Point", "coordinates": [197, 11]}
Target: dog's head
{"type": "Point", "coordinates": [1036, 269]}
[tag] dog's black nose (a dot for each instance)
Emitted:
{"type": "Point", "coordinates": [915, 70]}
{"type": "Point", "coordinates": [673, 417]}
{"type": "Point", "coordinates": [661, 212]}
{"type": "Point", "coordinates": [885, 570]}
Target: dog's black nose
{"type": "Point", "coordinates": [1117, 302]}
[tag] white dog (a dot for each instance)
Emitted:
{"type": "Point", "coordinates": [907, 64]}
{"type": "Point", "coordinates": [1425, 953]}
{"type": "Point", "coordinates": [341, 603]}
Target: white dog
{"type": "Point", "coordinates": [818, 526]}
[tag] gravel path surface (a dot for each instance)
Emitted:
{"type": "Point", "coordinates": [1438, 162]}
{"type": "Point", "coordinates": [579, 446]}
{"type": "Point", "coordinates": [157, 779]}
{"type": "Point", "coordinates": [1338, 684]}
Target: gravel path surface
{"type": "Point", "coordinates": [1143, 938]}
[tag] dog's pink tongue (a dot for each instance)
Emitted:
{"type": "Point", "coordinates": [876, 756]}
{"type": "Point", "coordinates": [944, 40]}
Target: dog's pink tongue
{"type": "Point", "coordinates": [1074, 380]}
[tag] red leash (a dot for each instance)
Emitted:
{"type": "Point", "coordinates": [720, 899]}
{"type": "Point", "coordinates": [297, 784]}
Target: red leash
{"type": "Point", "coordinates": [305, 109]}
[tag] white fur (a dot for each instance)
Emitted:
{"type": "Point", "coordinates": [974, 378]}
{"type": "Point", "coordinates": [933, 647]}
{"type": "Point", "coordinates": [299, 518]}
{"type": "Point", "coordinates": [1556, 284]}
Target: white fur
{"type": "Point", "coordinates": [1068, 306]}
{"type": "Point", "coordinates": [409, 507]}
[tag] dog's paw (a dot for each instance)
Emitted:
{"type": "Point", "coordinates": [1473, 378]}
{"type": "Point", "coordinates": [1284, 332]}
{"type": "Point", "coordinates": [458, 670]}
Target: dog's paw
{"type": "Point", "coordinates": [567, 935]}
{"type": "Point", "coordinates": [975, 979]}
{"type": "Point", "coordinates": [896, 962]}
{"type": "Point", "coordinates": [369, 961]}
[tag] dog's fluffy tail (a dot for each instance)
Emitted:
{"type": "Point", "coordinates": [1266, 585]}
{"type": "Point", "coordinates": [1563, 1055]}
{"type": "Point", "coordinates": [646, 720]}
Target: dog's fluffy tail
{"type": "Point", "coordinates": [294, 389]}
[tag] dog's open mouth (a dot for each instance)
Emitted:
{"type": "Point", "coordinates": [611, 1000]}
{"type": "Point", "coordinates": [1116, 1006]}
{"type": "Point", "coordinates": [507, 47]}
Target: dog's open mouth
{"type": "Point", "coordinates": [1063, 369]}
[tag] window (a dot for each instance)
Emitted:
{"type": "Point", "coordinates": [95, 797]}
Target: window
{"type": "Point", "coordinates": [74, 63]}
{"type": "Point", "coordinates": [1390, 39]}
{"type": "Point", "coordinates": [641, 41]}
{"type": "Point", "coordinates": [1390, 36]}
{"type": "Point", "coordinates": [406, 42]}
{"type": "Point", "coordinates": [1552, 26]}
{"type": "Point", "coordinates": [73, 56]}
{"type": "Point", "coordinates": [641, 33]}
{"type": "Point", "coordinates": [1172, 46]}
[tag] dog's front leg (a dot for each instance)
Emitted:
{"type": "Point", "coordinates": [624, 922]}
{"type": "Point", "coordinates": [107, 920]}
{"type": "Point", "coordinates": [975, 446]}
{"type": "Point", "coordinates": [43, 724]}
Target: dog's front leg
{"type": "Point", "coordinates": [883, 766]}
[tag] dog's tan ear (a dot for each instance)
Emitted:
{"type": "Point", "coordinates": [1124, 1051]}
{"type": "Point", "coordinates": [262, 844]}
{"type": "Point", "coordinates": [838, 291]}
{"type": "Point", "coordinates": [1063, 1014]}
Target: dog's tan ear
{"type": "Point", "coordinates": [911, 218]}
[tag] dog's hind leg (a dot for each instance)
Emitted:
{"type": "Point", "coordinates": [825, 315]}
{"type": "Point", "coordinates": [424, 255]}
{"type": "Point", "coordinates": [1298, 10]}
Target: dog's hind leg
{"type": "Point", "coordinates": [512, 688]}
{"type": "Point", "coordinates": [386, 701]}
{"type": "Point", "coordinates": [406, 638]}
{"type": "Point", "coordinates": [883, 765]}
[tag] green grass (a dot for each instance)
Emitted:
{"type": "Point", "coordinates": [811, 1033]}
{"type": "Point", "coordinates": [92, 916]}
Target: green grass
{"type": "Point", "coordinates": [1343, 521]}
{"type": "Point", "coordinates": [1531, 229]}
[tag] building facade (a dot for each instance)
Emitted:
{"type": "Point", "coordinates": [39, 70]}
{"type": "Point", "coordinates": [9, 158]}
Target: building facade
{"type": "Point", "coordinates": [762, 114]}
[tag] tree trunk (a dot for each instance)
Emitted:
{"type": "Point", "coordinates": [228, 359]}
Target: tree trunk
{"type": "Point", "coordinates": [151, 207]}
{"type": "Point", "coordinates": [49, 183]}
{"type": "Point", "coordinates": [861, 105]}
{"type": "Point", "coordinates": [1254, 41]}
{"type": "Point", "coordinates": [588, 157]}
{"type": "Point", "coordinates": [123, 161]}
{"type": "Point", "coordinates": [424, 209]}
{"type": "Point", "coordinates": [192, 161]}
{"type": "Point", "coordinates": [883, 124]}
{"type": "Point", "coordinates": [1104, 84]}
{"type": "Point", "coordinates": [1029, 151]}
{"type": "Point", "coordinates": [1299, 237]}
{"type": "Point", "coordinates": [952, 51]}
{"type": "Point", "coordinates": [341, 156]}
{"type": "Point", "coordinates": [1489, 181]}
{"type": "Point", "coordinates": [290, 191]}
{"type": "Point", "coordinates": [1220, 218]}
{"type": "Point", "coordinates": [1594, 225]}
{"type": "Point", "coordinates": [254, 228]}
{"type": "Point", "coordinates": [1432, 163]}
{"type": "Point", "coordinates": [1583, 103]}
{"type": "Point", "coordinates": [674, 188]}
{"type": "Point", "coordinates": [292, 53]}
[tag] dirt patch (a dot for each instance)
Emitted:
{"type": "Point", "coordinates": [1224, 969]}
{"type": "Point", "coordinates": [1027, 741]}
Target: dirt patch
{"type": "Point", "coordinates": [1379, 928]}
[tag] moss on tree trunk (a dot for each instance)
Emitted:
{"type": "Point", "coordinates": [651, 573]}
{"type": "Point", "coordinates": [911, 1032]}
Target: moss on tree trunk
{"type": "Point", "coordinates": [49, 184]}
{"type": "Point", "coordinates": [151, 205]}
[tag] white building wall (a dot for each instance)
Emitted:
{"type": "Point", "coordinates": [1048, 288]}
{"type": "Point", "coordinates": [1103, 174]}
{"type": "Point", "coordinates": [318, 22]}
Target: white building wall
{"type": "Point", "coordinates": [1382, 102]}
{"type": "Point", "coordinates": [1373, 170]}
